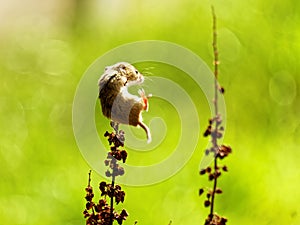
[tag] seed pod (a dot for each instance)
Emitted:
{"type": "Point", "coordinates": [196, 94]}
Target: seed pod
{"type": "Point", "coordinates": [207, 203]}
{"type": "Point", "coordinates": [219, 191]}
{"type": "Point", "coordinates": [201, 190]}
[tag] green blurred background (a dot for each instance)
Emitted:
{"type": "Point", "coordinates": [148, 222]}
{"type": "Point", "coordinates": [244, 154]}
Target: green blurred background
{"type": "Point", "coordinates": [47, 45]}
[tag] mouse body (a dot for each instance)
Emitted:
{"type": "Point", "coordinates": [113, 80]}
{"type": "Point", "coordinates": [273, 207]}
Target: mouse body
{"type": "Point", "coordinates": [117, 103]}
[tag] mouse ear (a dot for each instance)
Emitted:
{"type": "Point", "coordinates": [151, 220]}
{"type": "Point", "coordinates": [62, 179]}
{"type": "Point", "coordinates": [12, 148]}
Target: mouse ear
{"type": "Point", "coordinates": [122, 68]}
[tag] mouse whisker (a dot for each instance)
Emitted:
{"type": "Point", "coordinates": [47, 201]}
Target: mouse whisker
{"type": "Point", "coordinates": [149, 68]}
{"type": "Point", "coordinates": [147, 73]}
{"type": "Point", "coordinates": [148, 79]}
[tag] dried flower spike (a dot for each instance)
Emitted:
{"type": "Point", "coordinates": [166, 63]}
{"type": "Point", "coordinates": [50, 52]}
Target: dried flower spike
{"type": "Point", "coordinates": [215, 130]}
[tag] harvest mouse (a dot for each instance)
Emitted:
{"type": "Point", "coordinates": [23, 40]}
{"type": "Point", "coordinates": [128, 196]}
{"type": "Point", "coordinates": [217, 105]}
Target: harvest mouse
{"type": "Point", "coordinates": [116, 102]}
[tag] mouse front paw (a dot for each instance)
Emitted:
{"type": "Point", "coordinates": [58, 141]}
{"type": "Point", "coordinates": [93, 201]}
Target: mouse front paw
{"type": "Point", "coordinates": [144, 99]}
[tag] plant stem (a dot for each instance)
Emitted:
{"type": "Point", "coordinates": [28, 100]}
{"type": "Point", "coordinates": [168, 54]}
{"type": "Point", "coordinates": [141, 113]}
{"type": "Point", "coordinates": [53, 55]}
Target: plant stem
{"type": "Point", "coordinates": [214, 190]}
{"type": "Point", "coordinates": [214, 137]}
{"type": "Point", "coordinates": [112, 198]}
{"type": "Point", "coordinates": [89, 180]}
{"type": "Point", "coordinates": [216, 60]}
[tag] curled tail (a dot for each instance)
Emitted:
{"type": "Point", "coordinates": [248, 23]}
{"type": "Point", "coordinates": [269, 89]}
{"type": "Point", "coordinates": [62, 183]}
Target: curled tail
{"type": "Point", "coordinates": [147, 130]}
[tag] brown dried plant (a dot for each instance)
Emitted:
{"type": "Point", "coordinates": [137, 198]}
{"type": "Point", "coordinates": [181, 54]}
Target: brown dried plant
{"type": "Point", "coordinates": [215, 130]}
{"type": "Point", "coordinates": [102, 213]}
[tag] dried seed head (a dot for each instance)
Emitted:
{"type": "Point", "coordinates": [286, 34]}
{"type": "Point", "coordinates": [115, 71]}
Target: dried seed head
{"type": "Point", "coordinates": [225, 169]}
{"type": "Point", "coordinates": [123, 154]}
{"type": "Point", "coordinates": [207, 131]}
{"type": "Point", "coordinates": [224, 151]}
{"type": "Point", "coordinates": [108, 173]}
{"type": "Point", "coordinates": [208, 169]}
{"type": "Point", "coordinates": [208, 195]}
{"type": "Point", "coordinates": [211, 177]}
{"type": "Point", "coordinates": [207, 152]}
{"type": "Point", "coordinates": [201, 190]}
{"type": "Point", "coordinates": [121, 171]}
{"type": "Point", "coordinates": [207, 203]}
{"type": "Point", "coordinates": [202, 172]}
{"type": "Point", "coordinates": [222, 90]}
{"type": "Point", "coordinates": [89, 189]}
{"type": "Point", "coordinates": [219, 191]}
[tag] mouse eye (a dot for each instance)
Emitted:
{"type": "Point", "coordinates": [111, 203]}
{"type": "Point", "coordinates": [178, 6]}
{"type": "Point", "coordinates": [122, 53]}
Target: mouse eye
{"type": "Point", "coordinates": [137, 72]}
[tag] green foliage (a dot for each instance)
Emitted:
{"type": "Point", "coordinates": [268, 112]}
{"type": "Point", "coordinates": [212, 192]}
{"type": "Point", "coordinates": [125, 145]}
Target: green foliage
{"type": "Point", "coordinates": [43, 56]}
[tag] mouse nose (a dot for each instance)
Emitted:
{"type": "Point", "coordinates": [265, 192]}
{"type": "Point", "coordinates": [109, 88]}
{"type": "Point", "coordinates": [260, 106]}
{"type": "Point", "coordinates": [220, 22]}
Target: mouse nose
{"type": "Point", "coordinates": [141, 78]}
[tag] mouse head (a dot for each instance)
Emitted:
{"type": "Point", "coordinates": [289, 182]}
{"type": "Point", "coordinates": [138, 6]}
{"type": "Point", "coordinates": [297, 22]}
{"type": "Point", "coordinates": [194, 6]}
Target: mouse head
{"type": "Point", "coordinates": [129, 74]}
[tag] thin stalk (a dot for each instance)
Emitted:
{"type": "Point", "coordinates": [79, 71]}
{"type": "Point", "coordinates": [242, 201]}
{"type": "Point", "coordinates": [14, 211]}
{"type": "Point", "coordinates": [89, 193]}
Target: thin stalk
{"type": "Point", "coordinates": [214, 136]}
{"type": "Point", "coordinates": [216, 60]}
{"type": "Point", "coordinates": [112, 198]}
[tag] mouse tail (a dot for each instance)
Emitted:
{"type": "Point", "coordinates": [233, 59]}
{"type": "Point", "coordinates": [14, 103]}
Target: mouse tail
{"type": "Point", "coordinates": [147, 130]}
